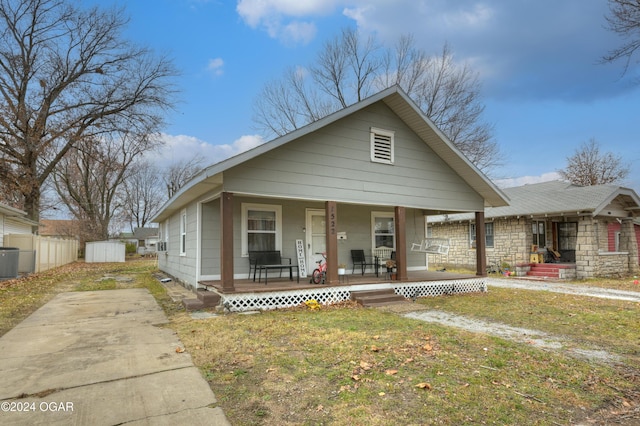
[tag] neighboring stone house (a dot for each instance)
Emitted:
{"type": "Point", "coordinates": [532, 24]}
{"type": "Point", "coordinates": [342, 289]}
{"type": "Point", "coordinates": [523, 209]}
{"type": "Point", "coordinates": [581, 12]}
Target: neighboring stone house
{"type": "Point", "coordinates": [615, 231]}
{"type": "Point", "coordinates": [571, 220]}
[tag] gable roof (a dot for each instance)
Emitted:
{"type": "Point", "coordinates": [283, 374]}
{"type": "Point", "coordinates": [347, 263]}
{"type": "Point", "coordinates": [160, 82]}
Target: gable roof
{"type": "Point", "coordinates": [556, 198]}
{"type": "Point", "coordinates": [399, 102]}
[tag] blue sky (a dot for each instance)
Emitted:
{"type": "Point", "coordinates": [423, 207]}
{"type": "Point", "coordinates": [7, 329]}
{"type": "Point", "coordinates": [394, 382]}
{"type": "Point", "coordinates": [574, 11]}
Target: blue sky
{"type": "Point", "coordinates": [543, 86]}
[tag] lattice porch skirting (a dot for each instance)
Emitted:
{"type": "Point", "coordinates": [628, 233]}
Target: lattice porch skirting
{"type": "Point", "coordinates": [327, 295]}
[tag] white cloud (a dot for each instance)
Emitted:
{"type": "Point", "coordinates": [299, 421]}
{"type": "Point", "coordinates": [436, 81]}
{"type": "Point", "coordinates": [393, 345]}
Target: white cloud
{"type": "Point", "coordinates": [524, 180]}
{"type": "Point", "coordinates": [215, 66]}
{"type": "Point", "coordinates": [298, 32]}
{"type": "Point", "coordinates": [282, 19]}
{"type": "Point", "coordinates": [183, 147]}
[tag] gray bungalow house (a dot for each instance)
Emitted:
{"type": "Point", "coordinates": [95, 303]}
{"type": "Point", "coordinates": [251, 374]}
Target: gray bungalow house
{"type": "Point", "coordinates": [548, 219]}
{"type": "Point", "coordinates": [361, 178]}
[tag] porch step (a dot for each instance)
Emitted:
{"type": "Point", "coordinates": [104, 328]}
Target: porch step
{"type": "Point", "coordinates": [372, 298]}
{"type": "Point", "coordinates": [205, 299]}
{"type": "Point", "coordinates": [547, 270]}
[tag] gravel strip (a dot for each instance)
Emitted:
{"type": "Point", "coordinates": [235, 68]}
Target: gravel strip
{"type": "Point", "coordinates": [556, 287]}
{"type": "Point", "coordinates": [535, 338]}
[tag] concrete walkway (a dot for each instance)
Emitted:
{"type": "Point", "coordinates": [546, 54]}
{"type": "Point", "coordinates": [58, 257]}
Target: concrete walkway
{"type": "Point", "coordinates": [99, 358]}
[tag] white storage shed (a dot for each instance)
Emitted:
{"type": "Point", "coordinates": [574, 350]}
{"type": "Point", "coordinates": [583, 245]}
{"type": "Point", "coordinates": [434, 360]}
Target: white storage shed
{"type": "Point", "coordinates": [104, 251]}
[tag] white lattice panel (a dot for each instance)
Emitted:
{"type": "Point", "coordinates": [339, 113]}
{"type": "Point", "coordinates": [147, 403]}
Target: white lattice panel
{"type": "Point", "coordinates": [327, 295]}
{"type": "Point", "coordinates": [438, 288]}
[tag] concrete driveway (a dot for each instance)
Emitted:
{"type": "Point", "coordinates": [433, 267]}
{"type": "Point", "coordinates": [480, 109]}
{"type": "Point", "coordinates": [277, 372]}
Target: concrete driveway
{"type": "Point", "coordinates": [100, 358]}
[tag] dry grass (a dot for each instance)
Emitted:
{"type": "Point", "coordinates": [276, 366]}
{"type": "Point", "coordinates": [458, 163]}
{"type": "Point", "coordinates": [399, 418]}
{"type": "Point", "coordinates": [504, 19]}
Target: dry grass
{"type": "Point", "coordinates": [356, 366]}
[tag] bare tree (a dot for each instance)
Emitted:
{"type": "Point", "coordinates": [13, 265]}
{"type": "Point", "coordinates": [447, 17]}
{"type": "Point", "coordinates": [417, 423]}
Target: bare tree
{"type": "Point", "coordinates": [90, 179]}
{"type": "Point", "coordinates": [348, 69]}
{"type": "Point", "coordinates": [179, 173]}
{"type": "Point", "coordinates": [624, 20]}
{"type": "Point", "coordinates": [144, 194]}
{"type": "Point", "coordinates": [588, 166]}
{"type": "Point", "coordinates": [66, 76]}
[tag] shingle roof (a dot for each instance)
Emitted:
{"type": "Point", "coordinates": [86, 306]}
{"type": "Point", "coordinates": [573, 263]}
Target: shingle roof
{"type": "Point", "coordinates": [555, 197]}
{"type": "Point", "coordinates": [142, 233]}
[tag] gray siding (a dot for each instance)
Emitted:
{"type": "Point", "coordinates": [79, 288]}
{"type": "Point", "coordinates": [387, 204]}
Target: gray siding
{"type": "Point", "coordinates": [334, 163]}
{"type": "Point", "coordinates": [210, 238]}
{"type": "Point", "coordinates": [181, 267]}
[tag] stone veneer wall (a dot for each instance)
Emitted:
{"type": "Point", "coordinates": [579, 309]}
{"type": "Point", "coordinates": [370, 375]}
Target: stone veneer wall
{"type": "Point", "coordinates": [509, 243]}
{"type": "Point", "coordinates": [612, 264]}
{"type": "Point", "coordinates": [629, 243]}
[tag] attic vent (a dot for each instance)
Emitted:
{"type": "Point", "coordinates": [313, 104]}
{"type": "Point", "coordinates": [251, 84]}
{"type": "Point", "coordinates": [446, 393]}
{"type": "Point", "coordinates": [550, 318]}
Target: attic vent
{"type": "Point", "coordinates": [381, 146]}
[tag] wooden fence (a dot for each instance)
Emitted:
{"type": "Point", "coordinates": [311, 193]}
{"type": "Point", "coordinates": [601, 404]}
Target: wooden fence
{"type": "Point", "coordinates": [48, 252]}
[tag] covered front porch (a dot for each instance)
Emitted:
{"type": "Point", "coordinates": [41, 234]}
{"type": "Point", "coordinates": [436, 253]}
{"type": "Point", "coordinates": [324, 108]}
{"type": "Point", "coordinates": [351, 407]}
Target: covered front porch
{"type": "Point", "coordinates": [329, 239]}
{"type": "Point", "coordinates": [282, 293]}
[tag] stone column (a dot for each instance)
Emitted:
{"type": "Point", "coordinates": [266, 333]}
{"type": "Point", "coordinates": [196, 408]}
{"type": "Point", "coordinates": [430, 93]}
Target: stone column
{"type": "Point", "coordinates": [586, 249]}
{"type": "Point", "coordinates": [629, 243]}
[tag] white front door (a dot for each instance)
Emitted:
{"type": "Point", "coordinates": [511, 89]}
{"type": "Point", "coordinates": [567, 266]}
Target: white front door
{"type": "Point", "coordinates": [315, 238]}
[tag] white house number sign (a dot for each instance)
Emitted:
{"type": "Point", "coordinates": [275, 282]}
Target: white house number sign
{"type": "Point", "coordinates": [302, 266]}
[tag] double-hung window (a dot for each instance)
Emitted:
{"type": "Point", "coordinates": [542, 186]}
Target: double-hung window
{"type": "Point", "coordinates": [261, 228]}
{"type": "Point", "coordinates": [537, 229]}
{"type": "Point", "coordinates": [383, 229]}
{"type": "Point", "coordinates": [488, 234]}
{"type": "Point", "coordinates": [183, 233]}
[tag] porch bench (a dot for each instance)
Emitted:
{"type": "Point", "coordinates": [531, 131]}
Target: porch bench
{"type": "Point", "coordinates": [264, 260]}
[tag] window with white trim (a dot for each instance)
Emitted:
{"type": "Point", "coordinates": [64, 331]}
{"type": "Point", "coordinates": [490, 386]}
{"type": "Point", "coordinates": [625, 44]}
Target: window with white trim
{"type": "Point", "coordinates": [382, 146]}
{"type": "Point", "coordinates": [261, 227]}
{"type": "Point", "coordinates": [383, 230]}
{"type": "Point", "coordinates": [183, 233]}
{"type": "Point", "coordinates": [163, 236]}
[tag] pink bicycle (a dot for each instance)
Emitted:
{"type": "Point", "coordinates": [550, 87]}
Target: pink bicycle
{"type": "Point", "coordinates": [321, 271]}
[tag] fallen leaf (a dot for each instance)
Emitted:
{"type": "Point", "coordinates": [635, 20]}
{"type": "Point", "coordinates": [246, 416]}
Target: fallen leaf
{"type": "Point", "coordinates": [381, 393]}
{"type": "Point", "coordinates": [427, 347]}
{"type": "Point", "coordinates": [424, 385]}
{"type": "Point", "coordinates": [391, 372]}
{"type": "Point", "coordinates": [355, 377]}
{"type": "Point", "coordinates": [179, 350]}
{"type": "Point", "coordinates": [319, 408]}
{"type": "Point", "coordinates": [376, 337]}
{"type": "Point", "coordinates": [374, 348]}
{"type": "Point", "coordinates": [365, 365]}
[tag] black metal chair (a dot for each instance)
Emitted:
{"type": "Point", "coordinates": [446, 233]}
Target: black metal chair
{"type": "Point", "coordinates": [359, 259]}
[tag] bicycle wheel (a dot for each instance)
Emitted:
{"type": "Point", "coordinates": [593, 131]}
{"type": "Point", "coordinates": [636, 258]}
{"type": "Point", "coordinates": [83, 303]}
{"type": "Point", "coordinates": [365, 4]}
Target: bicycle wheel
{"type": "Point", "coordinates": [316, 276]}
